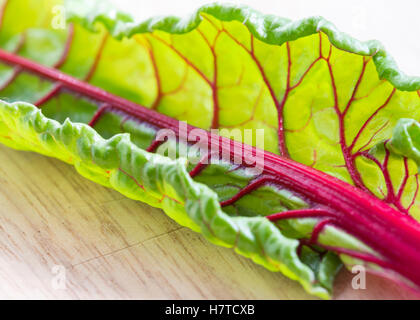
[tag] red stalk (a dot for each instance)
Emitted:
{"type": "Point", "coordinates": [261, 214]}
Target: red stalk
{"type": "Point", "coordinates": [392, 234]}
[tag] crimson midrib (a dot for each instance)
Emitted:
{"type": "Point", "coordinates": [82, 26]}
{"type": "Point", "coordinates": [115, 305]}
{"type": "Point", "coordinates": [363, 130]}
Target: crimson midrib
{"type": "Point", "coordinates": [346, 207]}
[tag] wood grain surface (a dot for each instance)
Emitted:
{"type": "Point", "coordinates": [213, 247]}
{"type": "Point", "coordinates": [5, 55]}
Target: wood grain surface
{"type": "Point", "coordinates": [111, 247]}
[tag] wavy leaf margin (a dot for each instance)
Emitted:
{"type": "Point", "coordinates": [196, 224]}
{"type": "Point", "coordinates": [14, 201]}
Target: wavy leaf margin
{"type": "Point", "coordinates": [140, 175]}
{"type": "Point", "coordinates": [267, 28]}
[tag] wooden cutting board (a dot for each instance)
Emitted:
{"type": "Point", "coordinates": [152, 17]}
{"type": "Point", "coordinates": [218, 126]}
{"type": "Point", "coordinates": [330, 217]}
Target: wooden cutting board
{"type": "Point", "coordinates": [58, 228]}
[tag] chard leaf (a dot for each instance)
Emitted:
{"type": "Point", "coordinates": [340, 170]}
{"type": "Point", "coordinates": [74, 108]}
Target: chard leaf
{"type": "Point", "coordinates": [322, 98]}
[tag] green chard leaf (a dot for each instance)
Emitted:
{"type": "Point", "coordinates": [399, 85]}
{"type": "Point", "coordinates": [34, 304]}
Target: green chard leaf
{"type": "Point", "coordinates": [97, 92]}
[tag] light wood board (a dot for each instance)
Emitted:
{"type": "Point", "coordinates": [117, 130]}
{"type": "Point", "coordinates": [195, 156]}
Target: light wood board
{"type": "Point", "coordinates": [115, 248]}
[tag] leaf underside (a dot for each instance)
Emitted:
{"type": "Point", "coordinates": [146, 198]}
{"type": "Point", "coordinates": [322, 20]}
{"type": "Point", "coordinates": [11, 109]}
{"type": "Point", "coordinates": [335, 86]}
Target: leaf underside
{"type": "Point", "coordinates": [323, 99]}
